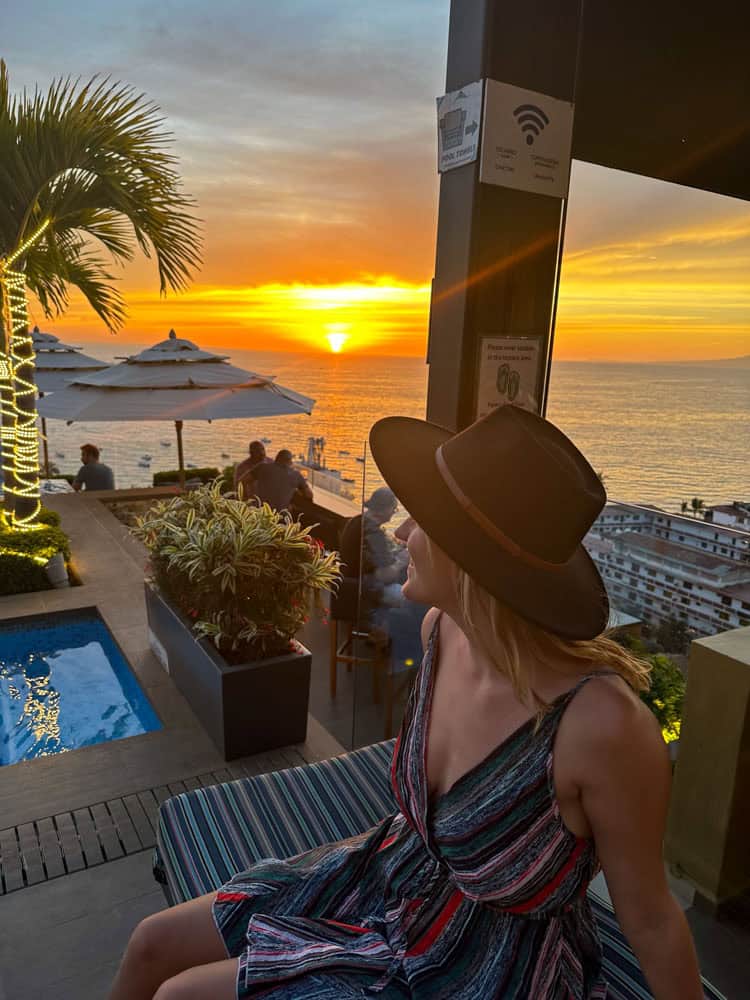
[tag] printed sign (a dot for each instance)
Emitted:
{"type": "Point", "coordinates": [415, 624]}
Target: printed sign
{"type": "Point", "coordinates": [526, 140]}
{"type": "Point", "coordinates": [507, 373]}
{"type": "Point", "coordinates": [459, 116]}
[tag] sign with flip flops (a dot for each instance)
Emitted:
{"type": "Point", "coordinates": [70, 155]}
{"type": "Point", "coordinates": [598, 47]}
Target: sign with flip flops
{"type": "Point", "coordinates": [507, 373]}
{"type": "Point", "coordinates": [459, 120]}
{"type": "Point", "coordinates": [526, 140]}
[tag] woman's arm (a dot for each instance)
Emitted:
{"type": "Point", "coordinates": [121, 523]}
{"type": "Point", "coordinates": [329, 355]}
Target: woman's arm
{"type": "Point", "coordinates": [623, 772]}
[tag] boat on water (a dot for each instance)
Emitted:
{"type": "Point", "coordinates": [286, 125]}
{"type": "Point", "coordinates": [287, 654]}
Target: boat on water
{"type": "Point", "coordinates": [144, 465]}
{"type": "Point", "coordinates": [266, 440]}
{"type": "Point", "coordinates": [225, 454]}
{"type": "Point", "coordinates": [166, 444]}
{"type": "Point", "coordinates": [59, 454]}
{"type": "Point", "coordinates": [318, 472]}
{"type": "Point", "coordinates": [147, 458]}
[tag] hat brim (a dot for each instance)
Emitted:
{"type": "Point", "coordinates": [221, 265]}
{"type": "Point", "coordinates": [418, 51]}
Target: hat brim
{"type": "Point", "coordinates": [570, 600]}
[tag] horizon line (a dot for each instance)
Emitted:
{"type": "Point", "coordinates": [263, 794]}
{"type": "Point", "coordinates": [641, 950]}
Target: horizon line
{"type": "Point", "coordinates": [371, 354]}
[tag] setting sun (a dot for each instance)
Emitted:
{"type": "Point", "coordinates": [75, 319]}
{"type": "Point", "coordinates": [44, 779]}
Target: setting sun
{"type": "Point", "coordinates": [380, 315]}
{"type": "Point", "coordinates": [337, 336]}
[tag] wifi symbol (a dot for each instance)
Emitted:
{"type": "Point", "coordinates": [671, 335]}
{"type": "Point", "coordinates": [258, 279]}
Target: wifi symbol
{"type": "Point", "coordinates": [532, 121]}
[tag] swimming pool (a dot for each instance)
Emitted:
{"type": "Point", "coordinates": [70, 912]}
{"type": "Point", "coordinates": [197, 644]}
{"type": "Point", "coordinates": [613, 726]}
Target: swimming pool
{"type": "Point", "coordinates": [65, 684]}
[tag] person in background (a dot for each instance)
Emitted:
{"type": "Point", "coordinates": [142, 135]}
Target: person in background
{"type": "Point", "coordinates": [275, 483]}
{"type": "Point", "coordinates": [242, 472]}
{"type": "Point", "coordinates": [382, 561]}
{"type": "Point", "coordinates": [93, 474]}
{"type": "Point", "coordinates": [365, 547]}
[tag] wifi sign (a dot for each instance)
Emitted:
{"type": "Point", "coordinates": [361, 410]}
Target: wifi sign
{"type": "Point", "coordinates": [532, 121]}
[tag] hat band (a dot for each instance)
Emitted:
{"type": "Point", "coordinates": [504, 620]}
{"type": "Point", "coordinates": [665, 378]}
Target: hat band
{"type": "Point", "coordinates": [483, 522]}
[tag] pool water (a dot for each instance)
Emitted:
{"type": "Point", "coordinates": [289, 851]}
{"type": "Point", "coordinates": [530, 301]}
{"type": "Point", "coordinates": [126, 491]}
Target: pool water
{"type": "Point", "coordinates": [65, 684]}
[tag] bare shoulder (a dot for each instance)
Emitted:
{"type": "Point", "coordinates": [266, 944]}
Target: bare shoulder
{"type": "Point", "coordinates": [607, 727]}
{"type": "Point", "coordinates": [428, 623]}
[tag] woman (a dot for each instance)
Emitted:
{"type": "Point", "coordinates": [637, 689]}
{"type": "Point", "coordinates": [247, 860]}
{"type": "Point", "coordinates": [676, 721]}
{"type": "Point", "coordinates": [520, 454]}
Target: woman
{"type": "Point", "coordinates": [525, 760]}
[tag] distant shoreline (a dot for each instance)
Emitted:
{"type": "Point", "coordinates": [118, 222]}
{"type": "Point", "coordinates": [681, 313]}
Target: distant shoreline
{"type": "Point", "coordinates": [125, 348]}
{"type": "Point", "coordinates": [740, 362]}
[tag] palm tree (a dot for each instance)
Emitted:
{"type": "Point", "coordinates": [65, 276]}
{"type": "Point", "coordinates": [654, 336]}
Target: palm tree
{"type": "Point", "coordinates": [684, 506]}
{"type": "Point", "coordinates": [82, 168]}
{"type": "Point", "coordinates": [696, 505]}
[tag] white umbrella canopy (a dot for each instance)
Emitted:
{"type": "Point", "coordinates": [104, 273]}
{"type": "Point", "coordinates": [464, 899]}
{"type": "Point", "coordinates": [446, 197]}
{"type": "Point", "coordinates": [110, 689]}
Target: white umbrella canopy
{"type": "Point", "coordinates": [173, 380]}
{"type": "Point", "coordinates": [55, 365]}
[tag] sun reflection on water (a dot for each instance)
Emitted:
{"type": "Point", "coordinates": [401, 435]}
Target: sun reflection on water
{"type": "Point", "coordinates": [41, 710]}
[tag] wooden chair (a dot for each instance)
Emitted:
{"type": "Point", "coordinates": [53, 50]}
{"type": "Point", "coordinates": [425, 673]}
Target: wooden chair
{"type": "Point", "coordinates": [344, 611]}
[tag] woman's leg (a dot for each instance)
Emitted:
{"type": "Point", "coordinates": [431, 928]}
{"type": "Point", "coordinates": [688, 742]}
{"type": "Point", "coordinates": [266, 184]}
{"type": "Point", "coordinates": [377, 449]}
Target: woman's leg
{"type": "Point", "coordinates": [217, 981]}
{"type": "Point", "coordinates": [164, 945]}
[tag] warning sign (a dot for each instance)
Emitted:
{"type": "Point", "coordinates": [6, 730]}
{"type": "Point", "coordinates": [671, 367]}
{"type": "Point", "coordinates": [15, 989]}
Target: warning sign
{"type": "Point", "coordinates": [459, 116]}
{"type": "Point", "coordinates": [507, 373]}
{"type": "Point", "coordinates": [526, 140]}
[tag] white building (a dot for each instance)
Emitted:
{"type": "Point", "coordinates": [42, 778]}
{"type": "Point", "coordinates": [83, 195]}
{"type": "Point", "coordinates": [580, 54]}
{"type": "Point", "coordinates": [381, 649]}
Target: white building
{"type": "Point", "coordinates": [658, 566]}
{"type": "Point", "coordinates": [735, 515]}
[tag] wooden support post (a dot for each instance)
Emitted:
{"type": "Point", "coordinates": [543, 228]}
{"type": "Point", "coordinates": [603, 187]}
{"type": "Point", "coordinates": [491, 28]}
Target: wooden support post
{"type": "Point", "coordinates": [498, 249]}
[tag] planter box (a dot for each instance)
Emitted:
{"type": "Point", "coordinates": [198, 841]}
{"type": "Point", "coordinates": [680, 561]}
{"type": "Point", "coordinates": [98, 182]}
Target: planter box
{"type": "Point", "coordinates": [245, 708]}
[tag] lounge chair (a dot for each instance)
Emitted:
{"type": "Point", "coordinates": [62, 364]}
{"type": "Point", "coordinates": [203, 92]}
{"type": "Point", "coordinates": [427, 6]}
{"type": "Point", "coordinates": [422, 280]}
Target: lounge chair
{"type": "Point", "coordinates": [207, 835]}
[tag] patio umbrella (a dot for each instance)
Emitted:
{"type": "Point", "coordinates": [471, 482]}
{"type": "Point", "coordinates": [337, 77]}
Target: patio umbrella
{"type": "Point", "coordinates": [55, 365]}
{"type": "Point", "coordinates": [173, 380]}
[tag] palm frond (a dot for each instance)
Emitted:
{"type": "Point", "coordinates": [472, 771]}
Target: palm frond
{"type": "Point", "coordinates": [95, 159]}
{"type": "Point", "coordinates": [51, 268]}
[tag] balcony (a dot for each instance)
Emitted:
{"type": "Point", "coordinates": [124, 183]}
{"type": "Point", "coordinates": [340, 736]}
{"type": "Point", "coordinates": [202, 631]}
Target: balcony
{"type": "Point", "coordinates": [78, 828]}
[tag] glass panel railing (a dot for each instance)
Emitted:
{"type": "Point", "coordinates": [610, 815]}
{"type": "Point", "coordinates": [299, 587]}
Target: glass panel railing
{"type": "Point", "coordinates": [386, 641]}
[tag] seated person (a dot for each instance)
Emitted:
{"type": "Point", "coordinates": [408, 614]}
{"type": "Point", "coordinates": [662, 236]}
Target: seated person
{"type": "Point", "coordinates": [475, 886]}
{"type": "Point", "coordinates": [275, 483]}
{"type": "Point", "coordinates": [366, 548]}
{"type": "Point", "coordinates": [93, 474]}
{"type": "Point", "coordinates": [242, 471]}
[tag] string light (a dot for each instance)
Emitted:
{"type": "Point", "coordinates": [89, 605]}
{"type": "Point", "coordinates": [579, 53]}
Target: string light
{"type": "Point", "coordinates": [28, 243]}
{"type": "Point", "coordinates": [40, 560]}
{"type": "Point", "coordinates": [19, 431]}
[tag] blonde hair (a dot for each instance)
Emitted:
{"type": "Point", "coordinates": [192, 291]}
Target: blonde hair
{"type": "Point", "coordinates": [510, 640]}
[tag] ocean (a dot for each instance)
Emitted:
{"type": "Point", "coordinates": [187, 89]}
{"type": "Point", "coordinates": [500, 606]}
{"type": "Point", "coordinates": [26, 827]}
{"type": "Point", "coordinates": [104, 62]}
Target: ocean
{"type": "Point", "coordinates": [659, 433]}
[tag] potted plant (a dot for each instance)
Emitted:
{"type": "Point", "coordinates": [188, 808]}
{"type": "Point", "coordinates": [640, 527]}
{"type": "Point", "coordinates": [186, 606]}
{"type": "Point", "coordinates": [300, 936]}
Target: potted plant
{"type": "Point", "coordinates": [231, 585]}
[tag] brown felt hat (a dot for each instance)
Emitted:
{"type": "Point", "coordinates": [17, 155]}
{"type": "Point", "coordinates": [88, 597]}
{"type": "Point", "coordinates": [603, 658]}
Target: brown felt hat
{"type": "Point", "coordinates": [509, 499]}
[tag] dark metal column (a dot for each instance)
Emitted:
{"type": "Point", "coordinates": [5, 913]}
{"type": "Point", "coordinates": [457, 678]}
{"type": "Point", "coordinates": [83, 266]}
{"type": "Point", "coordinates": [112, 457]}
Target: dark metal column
{"type": "Point", "coordinates": [497, 248]}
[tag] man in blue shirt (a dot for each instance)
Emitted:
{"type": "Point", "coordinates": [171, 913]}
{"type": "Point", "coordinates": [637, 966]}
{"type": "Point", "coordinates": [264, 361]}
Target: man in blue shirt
{"type": "Point", "coordinates": [93, 474]}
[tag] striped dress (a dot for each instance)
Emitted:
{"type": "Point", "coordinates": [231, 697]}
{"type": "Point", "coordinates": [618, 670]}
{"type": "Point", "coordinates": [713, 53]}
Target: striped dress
{"type": "Point", "coordinates": [478, 894]}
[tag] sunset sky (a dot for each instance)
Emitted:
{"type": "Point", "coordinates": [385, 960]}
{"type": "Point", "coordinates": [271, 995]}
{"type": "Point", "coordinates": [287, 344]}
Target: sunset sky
{"type": "Point", "coordinates": [305, 130]}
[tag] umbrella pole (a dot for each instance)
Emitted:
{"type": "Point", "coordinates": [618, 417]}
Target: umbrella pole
{"type": "Point", "coordinates": [44, 446]}
{"type": "Point", "coordinates": [181, 460]}
{"type": "Point", "coordinates": [44, 443]}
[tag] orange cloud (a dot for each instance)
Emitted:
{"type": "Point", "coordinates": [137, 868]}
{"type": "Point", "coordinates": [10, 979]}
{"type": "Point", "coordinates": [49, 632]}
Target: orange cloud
{"type": "Point", "coordinates": [377, 315]}
{"type": "Point", "coordinates": [681, 293]}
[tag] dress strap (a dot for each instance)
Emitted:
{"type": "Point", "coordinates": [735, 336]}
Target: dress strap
{"type": "Point", "coordinates": [435, 628]}
{"type": "Point", "coordinates": [563, 700]}
{"type": "Point", "coordinates": [594, 673]}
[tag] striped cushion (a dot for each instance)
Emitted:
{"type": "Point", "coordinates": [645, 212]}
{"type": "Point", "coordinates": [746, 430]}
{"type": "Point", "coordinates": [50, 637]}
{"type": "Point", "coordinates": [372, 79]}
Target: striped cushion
{"type": "Point", "coordinates": [208, 835]}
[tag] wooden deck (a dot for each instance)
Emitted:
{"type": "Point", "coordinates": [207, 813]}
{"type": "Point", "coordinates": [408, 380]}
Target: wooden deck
{"type": "Point", "coordinates": [54, 846]}
{"type": "Point", "coordinates": [77, 829]}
